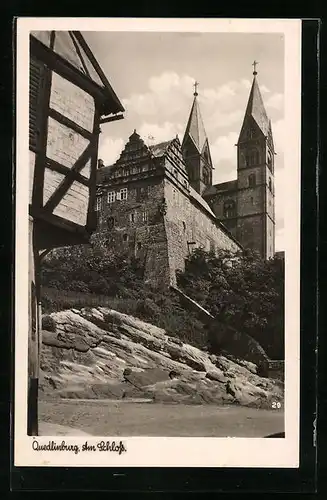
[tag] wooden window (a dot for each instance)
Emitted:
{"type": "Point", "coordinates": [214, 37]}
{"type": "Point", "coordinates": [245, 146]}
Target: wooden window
{"type": "Point", "coordinates": [123, 194]}
{"type": "Point", "coordinates": [132, 217]}
{"type": "Point", "coordinates": [98, 204]}
{"type": "Point", "coordinates": [144, 217]}
{"type": "Point", "coordinates": [36, 91]}
{"type": "Point", "coordinates": [111, 196]}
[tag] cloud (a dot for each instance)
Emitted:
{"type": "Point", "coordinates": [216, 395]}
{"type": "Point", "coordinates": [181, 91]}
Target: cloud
{"type": "Point", "coordinates": [278, 131]}
{"type": "Point", "coordinates": [279, 239]}
{"type": "Point", "coordinates": [275, 101]}
{"type": "Point", "coordinates": [159, 133]}
{"type": "Point", "coordinates": [169, 96]}
{"type": "Point", "coordinates": [223, 148]}
{"type": "Point", "coordinates": [264, 89]}
{"type": "Point", "coordinates": [110, 149]}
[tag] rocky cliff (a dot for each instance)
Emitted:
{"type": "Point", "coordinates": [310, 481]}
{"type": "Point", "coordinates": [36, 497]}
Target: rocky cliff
{"type": "Point", "coordinates": [101, 353]}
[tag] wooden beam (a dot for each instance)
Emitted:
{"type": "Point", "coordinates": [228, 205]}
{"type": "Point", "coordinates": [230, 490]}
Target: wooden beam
{"type": "Point", "coordinates": [57, 196]}
{"type": "Point", "coordinates": [111, 118]}
{"type": "Point", "coordinates": [55, 220]}
{"type": "Point", "coordinates": [33, 332]}
{"type": "Point", "coordinates": [97, 67]}
{"type": "Point", "coordinates": [61, 66]}
{"type": "Point", "coordinates": [57, 167]}
{"type": "Point", "coordinates": [38, 184]}
{"type": "Point", "coordinates": [71, 33]}
{"type": "Point", "coordinates": [69, 123]}
{"type": "Point", "coordinates": [91, 217]}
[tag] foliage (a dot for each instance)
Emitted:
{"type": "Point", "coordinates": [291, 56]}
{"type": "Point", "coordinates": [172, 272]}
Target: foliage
{"type": "Point", "coordinates": [48, 323]}
{"type": "Point", "coordinates": [90, 276]}
{"type": "Point", "coordinates": [244, 294]}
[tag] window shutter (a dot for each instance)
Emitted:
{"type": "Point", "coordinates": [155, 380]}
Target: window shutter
{"type": "Point", "coordinates": [35, 104]}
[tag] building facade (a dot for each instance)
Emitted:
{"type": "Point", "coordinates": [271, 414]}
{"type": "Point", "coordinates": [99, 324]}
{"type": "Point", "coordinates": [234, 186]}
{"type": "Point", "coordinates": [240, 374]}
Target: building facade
{"type": "Point", "coordinates": [159, 204]}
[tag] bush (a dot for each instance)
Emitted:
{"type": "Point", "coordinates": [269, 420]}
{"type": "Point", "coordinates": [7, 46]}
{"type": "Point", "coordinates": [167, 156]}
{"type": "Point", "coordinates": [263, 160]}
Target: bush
{"type": "Point", "coordinates": [48, 323]}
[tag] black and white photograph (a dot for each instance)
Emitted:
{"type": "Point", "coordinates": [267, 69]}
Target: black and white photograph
{"type": "Point", "coordinates": [157, 230]}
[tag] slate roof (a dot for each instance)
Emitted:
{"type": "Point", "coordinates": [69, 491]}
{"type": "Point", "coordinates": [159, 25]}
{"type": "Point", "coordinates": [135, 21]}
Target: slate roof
{"type": "Point", "coordinates": [256, 109]}
{"type": "Point", "coordinates": [195, 127]}
{"type": "Point", "coordinates": [194, 194]}
{"type": "Point", "coordinates": [159, 150]}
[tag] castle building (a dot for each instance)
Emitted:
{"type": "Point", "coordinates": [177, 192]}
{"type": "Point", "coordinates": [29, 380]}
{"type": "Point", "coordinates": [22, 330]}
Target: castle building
{"type": "Point", "coordinates": [158, 202]}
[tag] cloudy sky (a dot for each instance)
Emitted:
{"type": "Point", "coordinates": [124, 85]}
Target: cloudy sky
{"type": "Point", "coordinates": [153, 75]}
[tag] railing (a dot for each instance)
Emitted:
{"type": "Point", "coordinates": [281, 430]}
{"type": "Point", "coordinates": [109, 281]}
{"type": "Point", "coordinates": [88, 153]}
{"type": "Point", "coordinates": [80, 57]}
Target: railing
{"type": "Point", "coordinates": [63, 299]}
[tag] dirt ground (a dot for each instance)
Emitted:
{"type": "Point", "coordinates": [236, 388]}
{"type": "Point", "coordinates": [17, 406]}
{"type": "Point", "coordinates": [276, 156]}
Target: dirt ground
{"type": "Point", "coordinates": [118, 418]}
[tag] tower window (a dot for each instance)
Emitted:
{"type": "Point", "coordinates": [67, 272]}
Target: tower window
{"type": "Point", "coordinates": [251, 200]}
{"type": "Point", "coordinates": [206, 176]}
{"type": "Point", "coordinates": [252, 158]}
{"type": "Point", "coordinates": [250, 133]}
{"type": "Point", "coordinates": [125, 237]}
{"type": "Point", "coordinates": [270, 160]}
{"type": "Point", "coordinates": [270, 184]}
{"type": "Point", "coordinates": [252, 180]}
{"type": "Point", "coordinates": [229, 208]}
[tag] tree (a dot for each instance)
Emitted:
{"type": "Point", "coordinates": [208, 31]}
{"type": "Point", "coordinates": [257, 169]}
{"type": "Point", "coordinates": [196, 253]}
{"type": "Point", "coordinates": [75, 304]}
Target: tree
{"type": "Point", "coordinates": [244, 293]}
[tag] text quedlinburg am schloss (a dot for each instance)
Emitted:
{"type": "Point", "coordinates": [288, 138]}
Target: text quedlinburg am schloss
{"type": "Point", "coordinates": [109, 446]}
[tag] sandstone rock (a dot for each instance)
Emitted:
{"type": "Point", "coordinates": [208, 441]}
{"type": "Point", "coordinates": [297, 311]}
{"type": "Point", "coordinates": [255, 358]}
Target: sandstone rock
{"type": "Point", "coordinates": [216, 375]}
{"type": "Point", "coordinates": [94, 349]}
{"type": "Point", "coordinates": [176, 341]}
{"type": "Point", "coordinates": [146, 377]}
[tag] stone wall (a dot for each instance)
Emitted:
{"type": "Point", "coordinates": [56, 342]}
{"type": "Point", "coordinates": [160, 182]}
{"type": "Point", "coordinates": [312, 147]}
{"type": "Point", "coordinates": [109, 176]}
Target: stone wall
{"type": "Point", "coordinates": [189, 225]}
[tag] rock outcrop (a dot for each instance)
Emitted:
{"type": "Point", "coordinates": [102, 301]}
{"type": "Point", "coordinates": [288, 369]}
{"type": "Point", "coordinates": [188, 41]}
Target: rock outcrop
{"type": "Point", "coordinates": [101, 353]}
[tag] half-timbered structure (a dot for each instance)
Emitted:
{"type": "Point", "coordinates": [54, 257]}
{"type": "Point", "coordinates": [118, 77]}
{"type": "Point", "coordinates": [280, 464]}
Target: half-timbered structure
{"type": "Point", "coordinates": [69, 98]}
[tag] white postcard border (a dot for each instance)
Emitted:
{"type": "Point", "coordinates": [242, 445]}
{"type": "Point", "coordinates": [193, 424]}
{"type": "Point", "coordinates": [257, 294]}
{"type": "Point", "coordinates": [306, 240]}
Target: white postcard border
{"type": "Point", "coordinates": [167, 452]}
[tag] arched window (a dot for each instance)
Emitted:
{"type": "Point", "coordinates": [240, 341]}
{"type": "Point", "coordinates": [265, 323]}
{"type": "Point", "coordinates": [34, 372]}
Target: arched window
{"type": "Point", "coordinates": [252, 158]}
{"type": "Point", "coordinates": [206, 176]}
{"type": "Point", "coordinates": [252, 180]}
{"type": "Point", "coordinates": [229, 208]}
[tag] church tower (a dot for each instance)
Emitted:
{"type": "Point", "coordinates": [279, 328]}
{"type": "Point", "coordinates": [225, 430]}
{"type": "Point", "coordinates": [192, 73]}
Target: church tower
{"type": "Point", "coordinates": [196, 151]}
{"type": "Point", "coordinates": [255, 177]}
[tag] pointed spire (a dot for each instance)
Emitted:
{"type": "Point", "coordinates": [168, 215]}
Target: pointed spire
{"type": "Point", "coordinates": [195, 128]}
{"type": "Point", "coordinates": [255, 107]}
